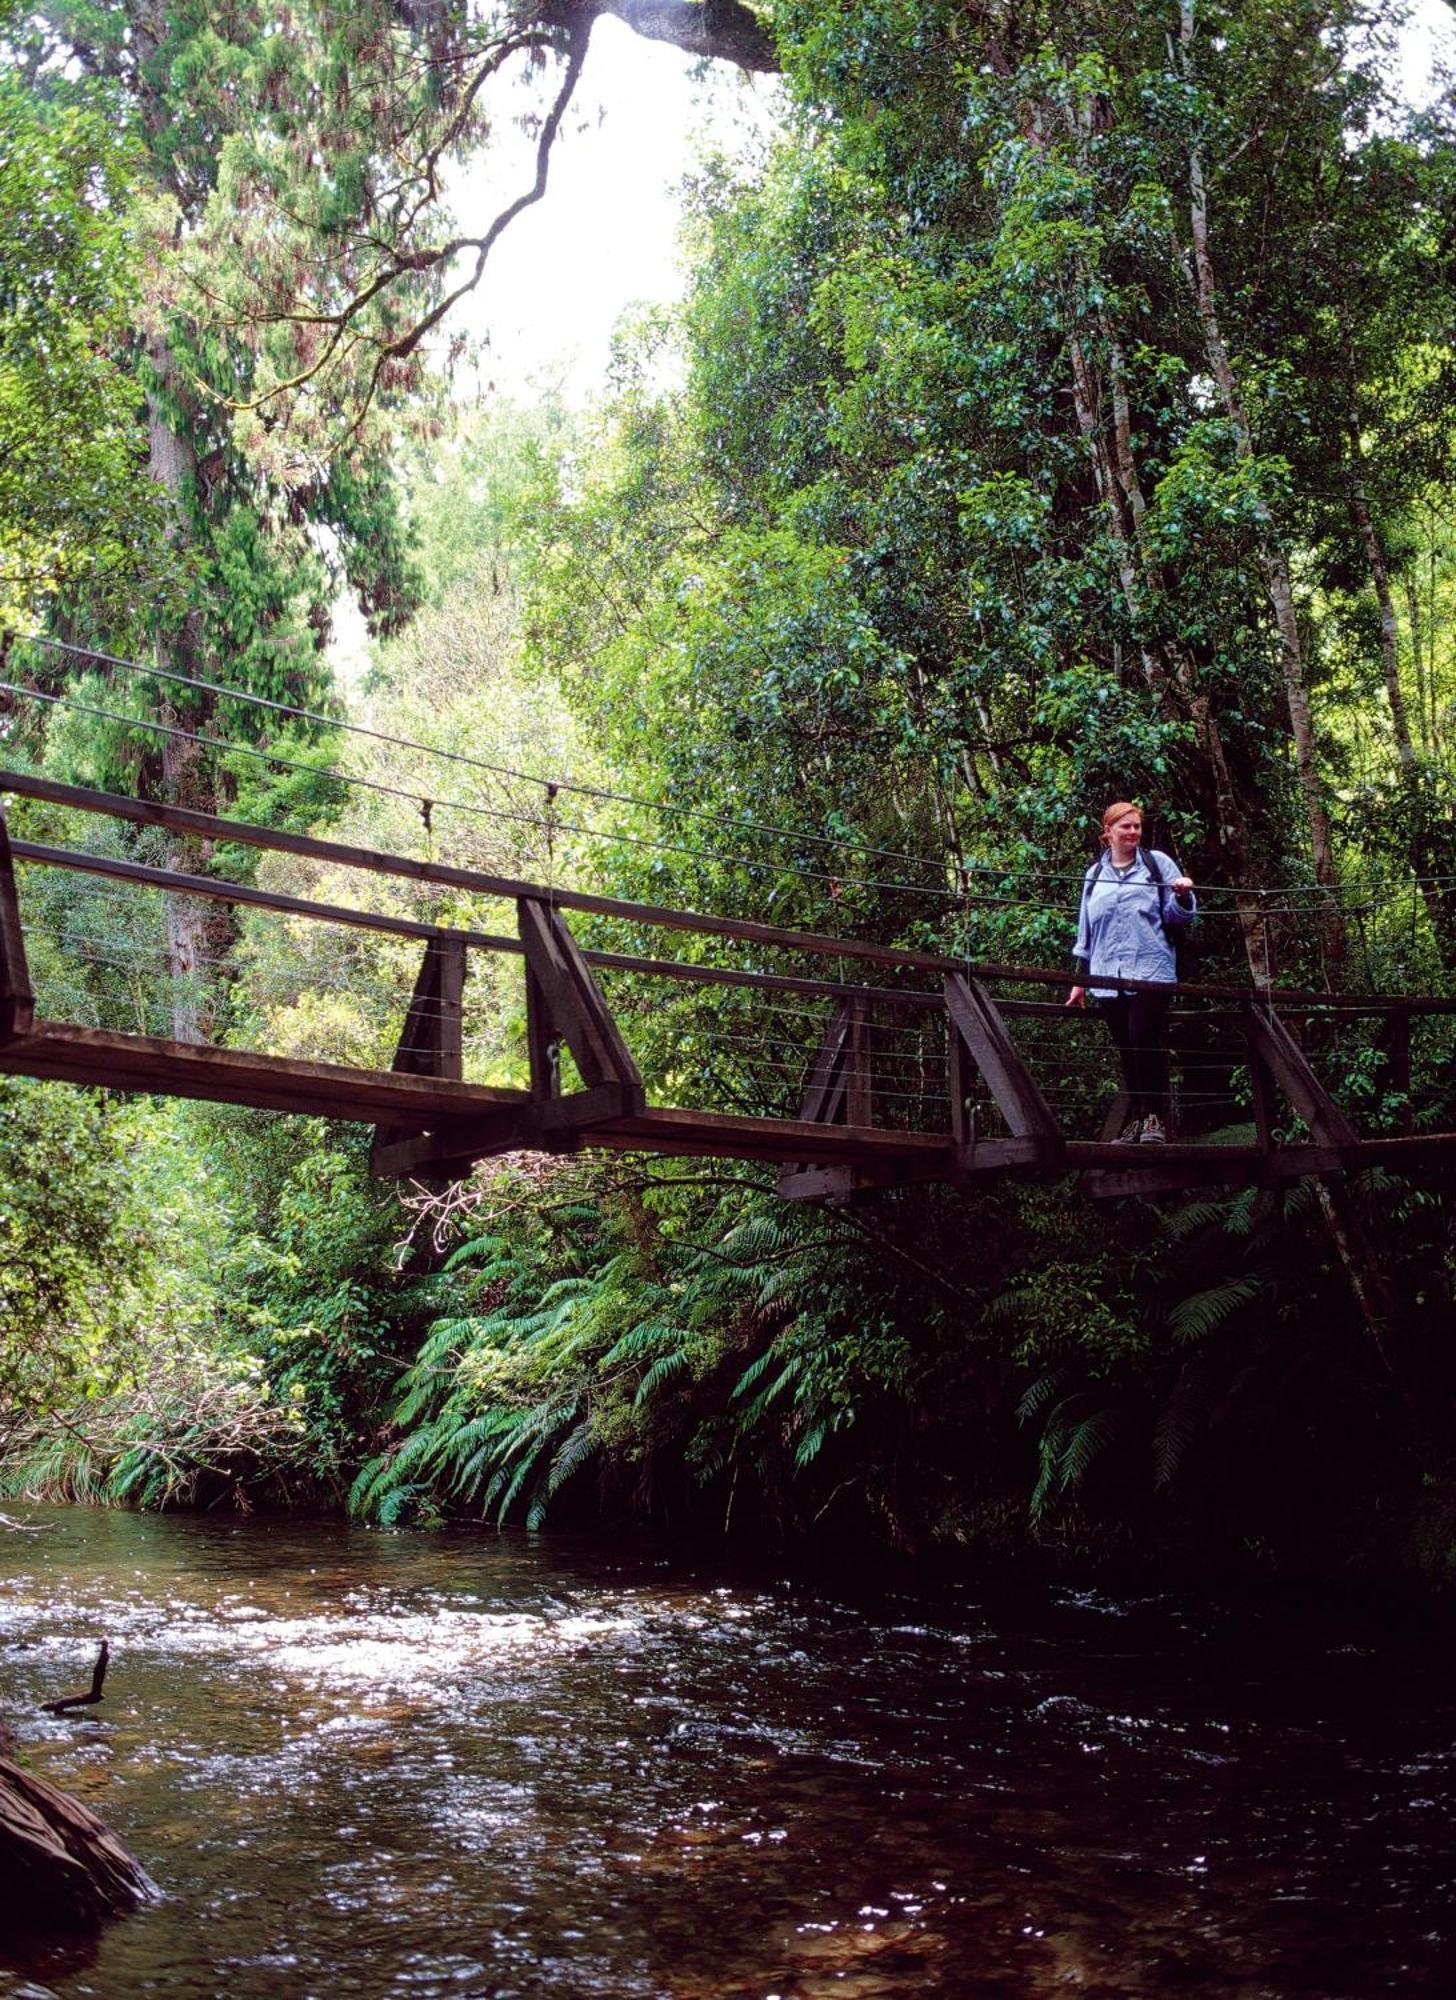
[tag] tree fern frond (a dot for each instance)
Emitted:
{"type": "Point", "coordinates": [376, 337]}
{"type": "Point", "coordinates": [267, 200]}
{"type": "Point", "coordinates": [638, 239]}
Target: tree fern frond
{"type": "Point", "coordinates": [1038, 1396]}
{"type": "Point", "coordinates": [1086, 1443]}
{"type": "Point", "coordinates": [647, 1338]}
{"type": "Point", "coordinates": [476, 1249]}
{"type": "Point", "coordinates": [754, 1371]}
{"type": "Point", "coordinates": [662, 1370]}
{"type": "Point", "coordinates": [1179, 1421]}
{"type": "Point", "coordinates": [1202, 1313]}
{"type": "Point", "coordinates": [810, 1444]}
{"type": "Point", "coordinates": [572, 1455]}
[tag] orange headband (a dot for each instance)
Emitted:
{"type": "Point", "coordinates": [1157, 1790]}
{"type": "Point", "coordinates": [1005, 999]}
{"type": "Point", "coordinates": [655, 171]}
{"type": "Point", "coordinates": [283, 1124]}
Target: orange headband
{"type": "Point", "coordinates": [1115, 812]}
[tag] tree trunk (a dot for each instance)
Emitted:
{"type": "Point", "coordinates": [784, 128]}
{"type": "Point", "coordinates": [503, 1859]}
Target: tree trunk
{"type": "Point", "coordinates": [187, 779]}
{"type": "Point", "coordinates": [1277, 580]}
{"type": "Point", "coordinates": [1426, 850]}
{"type": "Point", "coordinates": [1413, 612]}
{"type": "Point", "coordinates": [1119, 487]}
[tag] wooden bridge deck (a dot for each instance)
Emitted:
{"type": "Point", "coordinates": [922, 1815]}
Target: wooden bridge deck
{"type": "Point", "coordinates": [431, 1121]}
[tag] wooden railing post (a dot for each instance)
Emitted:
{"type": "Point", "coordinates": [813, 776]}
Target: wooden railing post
{"type": "Point", "coordinates": [17, 1001]}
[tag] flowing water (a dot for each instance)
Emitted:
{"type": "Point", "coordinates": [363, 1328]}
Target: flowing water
{"type": "Point", "coordinates": [368, 1764]}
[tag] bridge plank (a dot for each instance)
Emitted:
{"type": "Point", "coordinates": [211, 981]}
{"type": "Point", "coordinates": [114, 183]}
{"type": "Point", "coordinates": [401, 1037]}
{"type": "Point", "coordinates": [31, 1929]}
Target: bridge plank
{"type": "Point", "coordinates": [734, 1135]}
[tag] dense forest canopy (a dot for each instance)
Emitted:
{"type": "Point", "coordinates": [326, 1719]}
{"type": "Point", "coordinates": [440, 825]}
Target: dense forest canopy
{"type": "Point", "coordinates": [1059, 410]}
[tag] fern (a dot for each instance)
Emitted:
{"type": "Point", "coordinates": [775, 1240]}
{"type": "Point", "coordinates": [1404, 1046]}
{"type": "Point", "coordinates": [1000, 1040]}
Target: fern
{"type": "Point", "coordinates": [663, 1369]}
{"type": "Point", "coordinates": [1070, 1445]}
{"type": "Point", "coordinates": [641, 1343]}
{"type": "Point", "coordinates": [1203, 1313]}
{"type": "Point", "coordinates": [1179, 1421]}
{"type": "Point", "coordinates": [571, 1456]}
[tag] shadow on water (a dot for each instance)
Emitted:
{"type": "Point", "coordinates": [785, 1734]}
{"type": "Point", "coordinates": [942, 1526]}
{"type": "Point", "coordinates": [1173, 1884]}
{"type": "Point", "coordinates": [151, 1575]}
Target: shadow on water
{"type": "Point", "coordinates": [365, 1764]}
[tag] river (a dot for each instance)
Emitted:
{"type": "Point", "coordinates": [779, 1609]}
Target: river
{"type": "Point", "coordinates": [492, 1765]}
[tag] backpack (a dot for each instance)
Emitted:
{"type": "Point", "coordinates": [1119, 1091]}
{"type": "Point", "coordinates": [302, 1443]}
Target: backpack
{"type": "Point", "coordinates": [1180, 936]}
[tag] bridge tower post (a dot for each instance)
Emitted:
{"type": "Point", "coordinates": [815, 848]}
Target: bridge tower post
{"type": "Point", "coordinates": [17, 1000]}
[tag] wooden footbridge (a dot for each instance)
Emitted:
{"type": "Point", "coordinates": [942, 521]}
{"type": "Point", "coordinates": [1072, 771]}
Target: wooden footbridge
{"type": "Point", "coordinates": [918, 1068]}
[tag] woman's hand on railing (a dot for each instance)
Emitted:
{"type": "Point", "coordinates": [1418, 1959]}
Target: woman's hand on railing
{"type": "Point", "coordinates": [1077, 997]}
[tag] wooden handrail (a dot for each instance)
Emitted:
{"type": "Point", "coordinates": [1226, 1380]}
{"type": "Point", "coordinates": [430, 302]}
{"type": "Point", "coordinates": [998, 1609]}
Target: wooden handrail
{"type": "Point", "coordinates": [211, 826]}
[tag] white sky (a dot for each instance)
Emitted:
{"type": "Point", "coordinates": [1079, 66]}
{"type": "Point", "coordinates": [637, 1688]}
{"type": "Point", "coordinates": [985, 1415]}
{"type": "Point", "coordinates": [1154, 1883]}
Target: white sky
{"type": "Point", "coordinates": [603, 237]}
{"type": "Point", "coordinates": [1429, 36]}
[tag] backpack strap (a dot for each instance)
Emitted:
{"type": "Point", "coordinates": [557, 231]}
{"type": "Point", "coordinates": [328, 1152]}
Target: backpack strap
{"type": "Point", "coordinates": [1155, 874]}
{"type": "Point", "coordinates": [1090, 881]}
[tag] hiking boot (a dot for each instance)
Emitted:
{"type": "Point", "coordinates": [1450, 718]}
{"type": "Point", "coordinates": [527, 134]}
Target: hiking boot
{"type": "Point", "coordinates": [1152, 1133]}
{"type": "Point", "coordinates": [1131, 1132]}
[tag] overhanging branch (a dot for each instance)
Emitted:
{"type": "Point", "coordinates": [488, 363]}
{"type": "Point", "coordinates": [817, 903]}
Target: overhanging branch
{"type": "Point", "coordinates": [720, 30]}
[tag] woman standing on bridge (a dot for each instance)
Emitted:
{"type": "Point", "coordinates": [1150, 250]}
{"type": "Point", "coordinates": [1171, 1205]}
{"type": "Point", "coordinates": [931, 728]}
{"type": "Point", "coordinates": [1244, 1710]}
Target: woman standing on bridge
{"type": "Point", "coordinates": [1132, 898]}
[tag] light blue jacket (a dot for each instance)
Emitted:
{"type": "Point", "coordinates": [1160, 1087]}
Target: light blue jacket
{"type": "Point", "coordinates": [1121, 923]}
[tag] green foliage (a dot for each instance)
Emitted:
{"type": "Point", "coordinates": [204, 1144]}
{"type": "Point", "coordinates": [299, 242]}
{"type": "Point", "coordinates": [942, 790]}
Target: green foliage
{"type": "Point", "coordinates": [946, 509]}
{"type": "Point", "coordinates": [646, 1329]}
{"type": "Point", "coordinates": [73, 1232]}
{"type": "Point", "coordinates": [76, 510]}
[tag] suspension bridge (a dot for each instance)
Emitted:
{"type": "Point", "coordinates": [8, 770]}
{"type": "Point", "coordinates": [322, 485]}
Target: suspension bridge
{"type": "Point", "coordinates": [904, 1067]}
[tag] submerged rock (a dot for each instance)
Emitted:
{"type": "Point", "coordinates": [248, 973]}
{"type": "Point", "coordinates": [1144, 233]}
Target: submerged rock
{"type": "Point", "coordinates": [62, 1867]}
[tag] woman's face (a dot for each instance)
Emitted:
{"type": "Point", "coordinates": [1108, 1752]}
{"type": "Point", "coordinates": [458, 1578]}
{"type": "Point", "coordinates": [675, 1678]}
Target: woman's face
{"type": "Point", "coordinates": [1126, 832]}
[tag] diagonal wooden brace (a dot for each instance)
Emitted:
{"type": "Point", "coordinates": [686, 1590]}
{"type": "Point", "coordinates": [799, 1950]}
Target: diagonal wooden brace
{"type": "Point", "coordinates": [564, 1004]}
{"type": "Point", "coordinates": [823, 1099]}
{"type": "Point", "coordinates": [1272, 1046]}
{"type": "Point", "coordinates": [17, 1001]}
{"type": "Point", "coordinates": [977, 1022]}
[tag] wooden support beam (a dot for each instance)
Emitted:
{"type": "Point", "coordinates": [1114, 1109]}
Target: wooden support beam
{"type": "Point", "coordinates": [564, 1005]}
{"type": "Point", "coordinates": [431, 1041]}
{"type": "Point", "coordinates": [1271, 1043]}
{"type": "Point", "coordinates": [450, 1149]}
{"type": "Point", "coordinates": [17, 1001]}
{"type": "Point", "coordinates": [859, 1082]}
{"type": "Point", "coordinates": [975, 1017]}
{"type": "Point", "coordinates": [1118, 1113]}
{"type": "Point", "coordinates": [823, 1099]}
{"type": "Point", "coordinates": [826, 1101]}
{"type": "Point", "coordinates": [958, 1072]}
{"type": "Point", "coordinates": [1261, 1097]}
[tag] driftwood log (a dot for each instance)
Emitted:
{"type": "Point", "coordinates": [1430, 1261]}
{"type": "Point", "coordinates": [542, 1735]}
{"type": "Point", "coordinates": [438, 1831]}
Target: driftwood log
{"type": "Point", "coordinates": [91, 1694]}
{"type": "Point", "coordinates": [61, 1867]}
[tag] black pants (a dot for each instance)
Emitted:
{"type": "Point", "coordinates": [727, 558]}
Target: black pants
{"type": "Point", "coordinates": [1138, 1023]}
